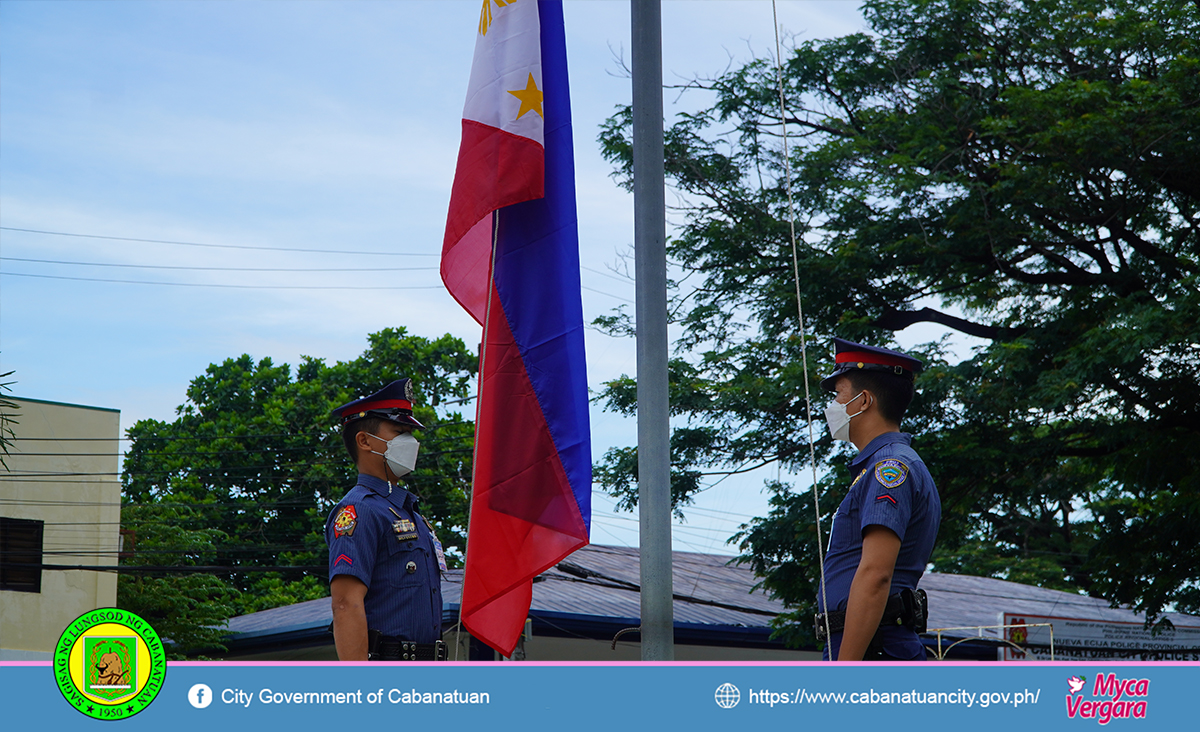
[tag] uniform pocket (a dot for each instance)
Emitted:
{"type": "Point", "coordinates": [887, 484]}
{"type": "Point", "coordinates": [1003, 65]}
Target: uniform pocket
{"type": "Point", "coordinates": [842, 533]}
{"type": "Point", "coordinates": [400, 555]}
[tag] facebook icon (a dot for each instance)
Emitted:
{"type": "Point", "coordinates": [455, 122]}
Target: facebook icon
{"type": "Point", "coordinates": [200, 696]}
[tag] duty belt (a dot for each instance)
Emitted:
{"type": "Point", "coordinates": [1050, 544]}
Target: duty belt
{"type": "Point", "coordinates": [908, 608]}
{"type": "Point", "coordinates": [389, 648]}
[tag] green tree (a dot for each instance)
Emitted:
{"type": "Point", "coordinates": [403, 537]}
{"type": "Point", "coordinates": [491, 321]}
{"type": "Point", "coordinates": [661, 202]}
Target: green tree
{"type": "Point", "coordinates": [186, 606]}
{"type": "Point", "coordinates": [1024, 173]}
{"type": "Point", "coordinates": [248, 471]}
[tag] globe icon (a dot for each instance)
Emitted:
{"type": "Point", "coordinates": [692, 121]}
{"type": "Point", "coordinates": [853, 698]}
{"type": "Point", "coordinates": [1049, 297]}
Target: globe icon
{"type": "Point", "coordinates": [728, 696]}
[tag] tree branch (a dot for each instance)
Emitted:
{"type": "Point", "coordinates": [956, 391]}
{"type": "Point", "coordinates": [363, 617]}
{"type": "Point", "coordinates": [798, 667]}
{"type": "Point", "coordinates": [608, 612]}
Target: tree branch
{"type": "Point", "coordinates": [894, 319]}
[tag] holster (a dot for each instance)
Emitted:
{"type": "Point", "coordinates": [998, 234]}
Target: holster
{"type": "Point", "coordinates": [915, 606]}
{"type": "Point", "coordinates": [907, 608]}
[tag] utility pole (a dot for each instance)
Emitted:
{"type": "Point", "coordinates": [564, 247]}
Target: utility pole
{"type": "Point", "coordinates": [650, 270]}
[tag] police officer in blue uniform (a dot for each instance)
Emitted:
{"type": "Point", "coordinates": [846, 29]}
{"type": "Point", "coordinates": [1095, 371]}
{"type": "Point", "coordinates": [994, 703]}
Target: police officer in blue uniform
{"type": "Point", "coordinates": [385, 560]}
{"type": "Point", "coordinates": [884, 530]}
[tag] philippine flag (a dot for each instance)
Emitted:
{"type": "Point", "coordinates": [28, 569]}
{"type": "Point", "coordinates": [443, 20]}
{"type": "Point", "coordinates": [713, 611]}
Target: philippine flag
{"type": "Point", "coordinates": [511, 258]}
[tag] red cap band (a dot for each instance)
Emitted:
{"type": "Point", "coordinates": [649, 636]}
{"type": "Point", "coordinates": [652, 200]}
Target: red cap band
{"type": "Point", "coordinates": [383, 404]}
{"type": "Point", "coordinates": [868, 357]}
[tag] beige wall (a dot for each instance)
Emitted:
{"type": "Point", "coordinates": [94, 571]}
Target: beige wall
{"type": "Point", "coordinates": [62, 470]}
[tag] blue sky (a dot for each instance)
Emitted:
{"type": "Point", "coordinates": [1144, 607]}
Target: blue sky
{"type": "Point", "coordinates": [300, 125]}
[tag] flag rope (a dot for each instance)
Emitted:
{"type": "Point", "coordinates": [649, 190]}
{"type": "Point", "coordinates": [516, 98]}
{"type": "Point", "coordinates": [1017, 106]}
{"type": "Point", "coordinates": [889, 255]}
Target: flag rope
{"type": "Point", "coordinates": [812, 453]}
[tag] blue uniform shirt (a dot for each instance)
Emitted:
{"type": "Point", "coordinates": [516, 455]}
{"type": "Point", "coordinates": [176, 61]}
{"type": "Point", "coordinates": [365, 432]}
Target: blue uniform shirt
{"type": "Point", "coordinates": [382, 540]}
{"type": "Point", "coordinates": [891, 488]}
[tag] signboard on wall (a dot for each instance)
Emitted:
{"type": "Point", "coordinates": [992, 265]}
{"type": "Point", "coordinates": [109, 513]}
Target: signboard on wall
{"type": "Point", "coordinates": [1082, 639]}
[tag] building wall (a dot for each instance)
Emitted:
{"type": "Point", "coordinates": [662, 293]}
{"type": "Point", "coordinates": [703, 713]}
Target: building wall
{"type": "Point", "coordinates": [62, 470]}
{"type": "Point", "coordinates": [585, 649]}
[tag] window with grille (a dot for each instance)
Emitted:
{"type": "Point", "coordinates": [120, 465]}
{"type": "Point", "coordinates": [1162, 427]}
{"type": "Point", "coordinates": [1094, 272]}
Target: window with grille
{"type": "Point", "coordinates": [21, 554]}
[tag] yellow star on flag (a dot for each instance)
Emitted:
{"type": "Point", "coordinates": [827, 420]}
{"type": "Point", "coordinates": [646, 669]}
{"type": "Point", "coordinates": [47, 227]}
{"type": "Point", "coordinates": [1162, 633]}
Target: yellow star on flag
{"type": "Point", "coordinates": [531, 99]}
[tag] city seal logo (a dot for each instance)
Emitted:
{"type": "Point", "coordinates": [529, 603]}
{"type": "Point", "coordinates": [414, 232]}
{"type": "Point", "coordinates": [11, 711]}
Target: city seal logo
{"type": "Point", "coordinates": [109, 664]}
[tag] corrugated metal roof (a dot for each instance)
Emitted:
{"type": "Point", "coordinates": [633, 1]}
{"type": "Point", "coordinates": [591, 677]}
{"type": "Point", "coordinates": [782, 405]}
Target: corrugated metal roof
{"type": "Point", "coordinates": [957, 600]}
{"type": "Point", "coordinates": [596, 581]}
{"type": "Point", "coordinates": [602, 582]}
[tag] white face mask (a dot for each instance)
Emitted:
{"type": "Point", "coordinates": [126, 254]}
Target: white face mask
{"type": "Point", "coordinates": [401, 453]}
{"type": "Point", "coordinates": [838, 416]}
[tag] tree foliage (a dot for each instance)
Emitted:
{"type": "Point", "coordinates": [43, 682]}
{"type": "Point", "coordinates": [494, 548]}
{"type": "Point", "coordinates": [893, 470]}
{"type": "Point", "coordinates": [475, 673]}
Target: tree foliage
{"type": "Point", "coordinates": [1024, 173]}
{"type": "Point", "coordinates": [242, 480]}
{"type": "Point", "coordinates": [189, 609]}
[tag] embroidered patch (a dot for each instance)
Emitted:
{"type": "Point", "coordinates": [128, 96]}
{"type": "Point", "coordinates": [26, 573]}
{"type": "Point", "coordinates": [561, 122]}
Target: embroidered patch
{"type": "Point", "coordinates": [886, 497]}
{"type": "Point", "coordinates": [345, 522]}
{"type": "Point", "coordinates": [343, 558]}
{"type": "Point", "coordinates": [890, 473]}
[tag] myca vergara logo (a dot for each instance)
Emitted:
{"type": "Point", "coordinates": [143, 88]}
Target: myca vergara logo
{"type": "Point", "coordinates": [109, 664]}
{"type": "Point", "coordinates": [1112, 698]}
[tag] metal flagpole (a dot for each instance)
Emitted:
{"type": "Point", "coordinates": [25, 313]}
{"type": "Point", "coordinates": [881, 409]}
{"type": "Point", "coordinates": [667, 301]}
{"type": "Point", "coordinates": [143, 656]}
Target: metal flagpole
{"type": "Point", "coordinates": [650, 269]}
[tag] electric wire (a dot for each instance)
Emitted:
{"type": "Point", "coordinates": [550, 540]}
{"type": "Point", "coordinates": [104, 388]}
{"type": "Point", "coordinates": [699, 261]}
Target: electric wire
{"type": "Point", "coordinates": [217, 269]}
{"type": "Point", "coordinates": [222, 246]}
{"type": "Point", "coordinates": [609, 294]}
{"type": "Point", "coordinates": [626, 280]}
{"type": "Point", "coordinates": [248, 435]}
{"type": "Point", "coordinates": [243, 269]}
{"type": "Point", "coordinates": [223, 286]}
{"type": "Point", "coordinates": [249, 269]}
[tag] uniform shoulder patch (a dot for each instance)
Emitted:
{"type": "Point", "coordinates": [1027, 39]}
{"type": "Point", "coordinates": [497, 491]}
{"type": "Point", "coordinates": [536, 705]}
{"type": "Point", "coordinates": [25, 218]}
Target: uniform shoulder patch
{"type": "Point", "coordinates": [345, 522]}
{"type": "Point", "coordinates": [891, 472]}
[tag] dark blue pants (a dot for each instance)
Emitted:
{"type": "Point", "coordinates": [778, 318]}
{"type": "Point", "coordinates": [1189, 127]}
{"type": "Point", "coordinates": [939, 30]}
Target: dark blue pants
{"type": "Point", "coordinates": [889, 644]}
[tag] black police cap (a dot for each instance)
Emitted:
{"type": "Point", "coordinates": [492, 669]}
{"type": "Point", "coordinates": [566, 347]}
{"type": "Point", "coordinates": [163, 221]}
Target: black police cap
{"type": "Point", "coordinates": [393, 402]}
{"type": "Point", "coordinates": [851, 357]}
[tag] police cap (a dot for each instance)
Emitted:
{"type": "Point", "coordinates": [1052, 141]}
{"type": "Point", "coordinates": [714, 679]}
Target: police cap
{"type": "Point", "coordinates": [850, 357]}
{"type": "Point", "coordinates": [393, 402]}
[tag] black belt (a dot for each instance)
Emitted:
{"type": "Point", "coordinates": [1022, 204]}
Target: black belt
{"type": "Point", "coordinates": [389, 648]}
{"type": "Point", "coordinates": [908, 609]}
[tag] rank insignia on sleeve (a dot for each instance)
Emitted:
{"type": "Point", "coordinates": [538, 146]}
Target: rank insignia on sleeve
{"type": "Point", "coordinates": [890, 473]}
{"type": "Point", "coordinates": [345, 522]}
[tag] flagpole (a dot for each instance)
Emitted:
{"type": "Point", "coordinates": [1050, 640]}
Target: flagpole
{"type": "Point", "coordinates": [650, 268]}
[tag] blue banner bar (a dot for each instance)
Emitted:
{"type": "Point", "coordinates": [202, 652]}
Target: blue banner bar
{"type": "Point", "coordinates": [327, 696]}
